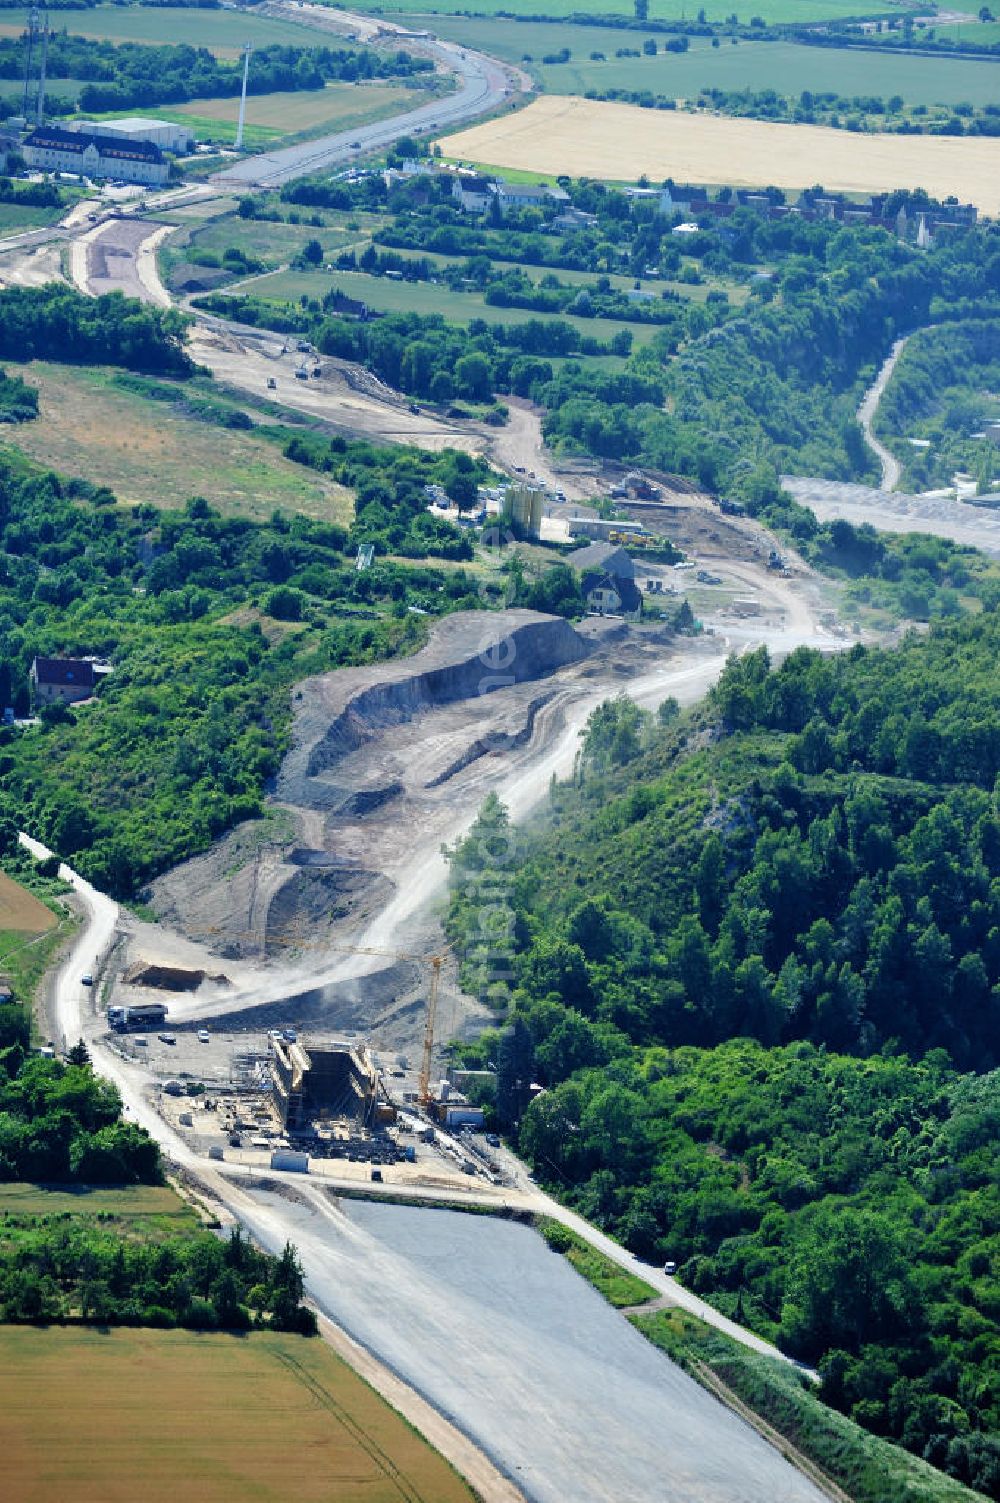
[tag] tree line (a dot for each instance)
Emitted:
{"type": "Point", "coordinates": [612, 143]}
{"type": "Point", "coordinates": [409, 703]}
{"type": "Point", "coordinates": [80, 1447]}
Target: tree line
{"type": "Point", "coordinates": [132, 75]}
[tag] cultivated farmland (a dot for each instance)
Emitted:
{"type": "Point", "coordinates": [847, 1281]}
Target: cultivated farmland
{"type": "Point", "coordinates": [338, 106]}
{"type": "Point", "coordinates": [659, 10]}
{"type": "Point", "coordinates": [152, 451]}
{"type": "Point", "coordinates": [619, 141]}
{"type": "Point", "coordinates": [222, 31]}
{"type": "Point", "coordinates": [21, 911]}
{"type": "Point", "coordinates": [784, 66]}
{"type": "Point", "coordinates": [170, 1415]}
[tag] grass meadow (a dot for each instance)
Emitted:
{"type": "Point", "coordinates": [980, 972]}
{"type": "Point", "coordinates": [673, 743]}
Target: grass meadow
{"type": "Point", "coordinates": [148, 451]}
{"type": "Point", "coordinates": [222, 31]}
{"type": "Point", "coordinates": [784, 66]}
{"type": "Point", "coordinates": [106, 1416]}
{"type": "Point", "coordinates": [421, 297]}
{"type": "Point", "coordinates": [659, 10]}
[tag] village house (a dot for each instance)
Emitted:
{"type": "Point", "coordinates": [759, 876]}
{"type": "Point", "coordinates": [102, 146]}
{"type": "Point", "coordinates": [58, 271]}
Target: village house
{"type": "Point", "coordinates": [66, 680]}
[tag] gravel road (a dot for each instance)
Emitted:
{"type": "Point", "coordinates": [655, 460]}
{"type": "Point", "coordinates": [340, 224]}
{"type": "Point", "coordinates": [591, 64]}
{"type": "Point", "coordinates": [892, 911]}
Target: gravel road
{"type": "Point", "coordinates": [891, 468]}
{"type": "Point", "coordinates": [895, 511]}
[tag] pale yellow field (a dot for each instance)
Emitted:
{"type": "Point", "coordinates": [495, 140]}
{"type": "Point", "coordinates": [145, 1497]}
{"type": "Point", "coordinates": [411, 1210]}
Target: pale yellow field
{"type": "Point", "coordinates": [621, 142]}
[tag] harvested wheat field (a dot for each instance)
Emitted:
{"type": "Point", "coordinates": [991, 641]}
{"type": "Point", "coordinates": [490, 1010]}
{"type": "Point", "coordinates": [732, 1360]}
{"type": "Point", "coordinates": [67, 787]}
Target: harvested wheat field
{"type": "Point", "coordinates": [176, 1417]}
{"type": "Point", "coordinates": [20, 911]}
{"type": "Point", "coordinates": [620, 142]}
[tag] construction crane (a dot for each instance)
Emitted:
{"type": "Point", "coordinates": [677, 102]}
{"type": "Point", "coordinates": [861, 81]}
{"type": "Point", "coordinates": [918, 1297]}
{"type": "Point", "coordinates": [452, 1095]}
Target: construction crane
{"type": "Point", "coordinates": [424, 1086]}
{"type": "Point", "coordinates": [292, 940]}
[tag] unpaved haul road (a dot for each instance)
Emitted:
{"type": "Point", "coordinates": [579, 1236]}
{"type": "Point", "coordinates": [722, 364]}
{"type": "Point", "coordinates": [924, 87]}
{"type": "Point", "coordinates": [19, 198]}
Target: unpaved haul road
{"type": "Point", "coordinates": [891, 468]}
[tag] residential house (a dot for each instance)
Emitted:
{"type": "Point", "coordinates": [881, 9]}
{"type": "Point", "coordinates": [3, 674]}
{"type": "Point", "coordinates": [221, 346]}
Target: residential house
{"type": "Point", "coordinates": [66, 680]}
{"type": "Point", "coordinates": [473, 192]}
{"type": "Point", "coordinates": [611, 595]}
{"type": "Point", "coordinates": [516, 196]}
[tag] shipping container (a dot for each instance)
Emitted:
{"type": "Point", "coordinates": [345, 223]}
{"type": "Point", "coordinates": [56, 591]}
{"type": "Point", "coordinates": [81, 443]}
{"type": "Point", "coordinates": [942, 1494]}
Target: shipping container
{"type": "Point", "coordinates": [287, 1158]}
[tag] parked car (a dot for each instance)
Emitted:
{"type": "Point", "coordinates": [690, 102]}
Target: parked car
{"type": "Point", "coordinates": [203, 1035]}
{"type": "Point", "coordinates": [670, 1267]}
{"type": "Point", "coordinates": [87, 979]}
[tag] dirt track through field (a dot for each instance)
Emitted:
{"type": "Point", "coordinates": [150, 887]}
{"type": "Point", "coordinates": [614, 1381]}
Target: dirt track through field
{"type": "Point", "coordinates": [586, 137]}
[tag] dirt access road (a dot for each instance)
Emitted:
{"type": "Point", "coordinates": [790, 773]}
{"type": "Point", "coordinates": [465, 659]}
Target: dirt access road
{"type": "Point", "coordinates": [891, 468]}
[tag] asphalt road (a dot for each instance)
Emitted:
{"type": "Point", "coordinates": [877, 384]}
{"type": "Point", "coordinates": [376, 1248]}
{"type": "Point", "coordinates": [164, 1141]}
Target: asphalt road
{"type": "Point", "coordinates": [483, 84]}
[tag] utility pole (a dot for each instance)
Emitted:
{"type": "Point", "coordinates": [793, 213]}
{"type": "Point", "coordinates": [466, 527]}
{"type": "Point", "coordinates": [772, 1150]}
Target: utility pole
{"type": "Point", "coordinates": [247, 49]}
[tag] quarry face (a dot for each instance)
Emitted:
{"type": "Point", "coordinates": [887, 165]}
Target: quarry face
{"type": "Point", "coordinates": [388, 762]}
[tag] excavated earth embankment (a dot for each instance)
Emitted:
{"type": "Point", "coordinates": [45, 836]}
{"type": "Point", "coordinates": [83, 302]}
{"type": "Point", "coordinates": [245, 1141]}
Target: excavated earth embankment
{"type": "Point", "coordinates": [471, 655]}
{"type": "Point", "coordinates": [381, 756]}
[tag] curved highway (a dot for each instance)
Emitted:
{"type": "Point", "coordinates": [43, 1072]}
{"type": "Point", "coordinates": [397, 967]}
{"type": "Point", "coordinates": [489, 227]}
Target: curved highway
{"type": "Point", "coordinates": [484, 84]}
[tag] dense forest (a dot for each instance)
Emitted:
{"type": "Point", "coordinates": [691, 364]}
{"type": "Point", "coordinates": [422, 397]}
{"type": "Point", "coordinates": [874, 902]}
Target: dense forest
{"type": "Point", "coordinates": [132, 75]}
{"type": "Point", "coordinates": [55, 322]}
{"type": "Point", "coordinates": [754, 959]}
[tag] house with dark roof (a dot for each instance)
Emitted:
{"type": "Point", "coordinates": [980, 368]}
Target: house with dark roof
{"type": "Point", "coordinates": [611, 595]}
{"type": "Point", "coordinates": [514, 196]}
{"type": "Point", "coordinates": [67, 680]}
{"type": "Point", "coordinates": [91, 154]}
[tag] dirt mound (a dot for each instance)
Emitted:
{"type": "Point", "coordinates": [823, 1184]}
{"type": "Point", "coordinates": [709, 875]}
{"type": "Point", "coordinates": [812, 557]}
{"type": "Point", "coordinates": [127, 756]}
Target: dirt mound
{"type": "Point", "coordinates": [169, 978]}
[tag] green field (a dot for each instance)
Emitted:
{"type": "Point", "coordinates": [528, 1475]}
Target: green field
{"type": "Point", "coordinates": [421, 297]}
{"type": "Point", "coordinates": [223, 31]}
{"type": "Point", "coordinates": [273, 243]}
{"type": "Point", "coordinates": [270, 117]}
{"type": "Point", "coordinates": [17, 217]}
{"type": "Point", "coordinates": [695, 294]}
{"type": "Point", "coordinates": [106, 1416]}
{"type": "Point", "coordinates": [157, 1206]}
{"type": "Point", "coordinates": [986, 34]}
{"type": "Point", "coordinates": [151, 451]}
{"type": "Point", "coordinates": [784, 66]}
{"type": "Point", "coordinates": [659, 10]}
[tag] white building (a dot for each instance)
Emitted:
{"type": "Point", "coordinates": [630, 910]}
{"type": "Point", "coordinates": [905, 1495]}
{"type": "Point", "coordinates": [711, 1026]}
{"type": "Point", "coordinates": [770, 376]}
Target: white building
{"type": "Point", "coordinates": [529, 196]}
{"type": "Point", "coordinates": [53, 150]}
{"type": "Point", "coordinates": [473, 192]}
{"type": "Point", "coordinates": [162, 133]}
